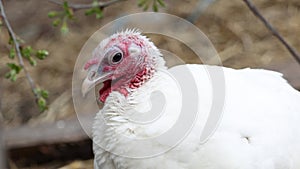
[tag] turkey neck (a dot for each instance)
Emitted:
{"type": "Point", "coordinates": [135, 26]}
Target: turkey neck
{"type": "Point", "coordinates": [116, 120]}
{"type": "Point", "coordinates": [118, 104]}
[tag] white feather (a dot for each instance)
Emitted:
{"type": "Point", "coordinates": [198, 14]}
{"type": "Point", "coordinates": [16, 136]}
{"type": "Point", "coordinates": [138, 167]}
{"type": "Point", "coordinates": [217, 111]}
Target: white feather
{"type": "Point", "coordinates": [259, 129]}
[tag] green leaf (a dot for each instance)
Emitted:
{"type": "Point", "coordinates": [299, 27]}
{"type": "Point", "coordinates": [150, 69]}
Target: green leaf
{"type": "Point", "coordinates": [142, 2]}
{"type": "Point", "coordinates": [11, 75]}
{"type": "Point", "coordinates": [42, 54]}
{"type": "Point", "coordinates": [32, 61]}
{"type": "Point", "coordinates": [64, 28]}
{"type": "Point", "coordinates": [56, 22]}
{"type": "Point", "coordinates": [41, 95]}
{"type": "Point", "coordinates": [44, 94]}
{"type": "Point", "coordinates": [89, 11]}
{"type": "Point", "coordinates": [66, 6]}
{"type": "Point", "coordinates": [95, 10]}
{"type": "Point", "coordinates": [42, 103]}
{"type": "Point", "coordinates": [14, 70]}
{"type": "Point", "coordinates": [99, 13]}
{"type": "Point", "coordinates": [161, 3]}
{"type": "Point", "coordinates": [146, 6]}
{"type": "Point", "coordinates": [13, 78]}
{"type": "Point", "coordinates": [27, 52]}
{"type": "Point", "coordinates": [68, 11]}
{"type": "Point", "coordinates": [52, 14]}
{"type": "Point", "coordinates": [10, 41]}
{"type": "Point", "coordinates": [15, 67]}
{"type": "Point", "coordinates": [154, 6]}
{"type": "Point", "coordinates": [12, 53]}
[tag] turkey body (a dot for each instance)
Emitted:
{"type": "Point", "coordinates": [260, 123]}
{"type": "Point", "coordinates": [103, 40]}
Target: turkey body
{"type": "Point", "coordinates": [259, 128]}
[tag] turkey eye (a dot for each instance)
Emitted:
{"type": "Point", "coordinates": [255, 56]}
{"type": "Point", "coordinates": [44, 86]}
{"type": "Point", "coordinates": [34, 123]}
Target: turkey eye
{"type": "Point", "coordinates": [117, 57]}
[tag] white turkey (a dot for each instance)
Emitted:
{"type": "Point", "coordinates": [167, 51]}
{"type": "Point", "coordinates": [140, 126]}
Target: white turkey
{"type": "Point", "coordinates": [260, 127]}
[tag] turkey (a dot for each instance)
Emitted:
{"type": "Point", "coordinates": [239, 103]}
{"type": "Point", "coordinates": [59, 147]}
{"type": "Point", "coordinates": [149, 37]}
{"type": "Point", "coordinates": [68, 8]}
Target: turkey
{"type": "Point", "coordinates": [259, 128]}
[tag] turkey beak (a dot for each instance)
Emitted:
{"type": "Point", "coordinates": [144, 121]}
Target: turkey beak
{"type": "Point", "coordinates": [92, 80]}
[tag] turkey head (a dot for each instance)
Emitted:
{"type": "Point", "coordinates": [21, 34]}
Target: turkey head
{"type": "Point", "coordinates": [122, 62]}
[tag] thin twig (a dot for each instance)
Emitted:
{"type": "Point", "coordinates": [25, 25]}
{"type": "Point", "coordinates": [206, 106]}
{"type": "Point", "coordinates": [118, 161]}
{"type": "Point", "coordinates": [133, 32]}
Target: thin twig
{"type": "Point", "coordinates": [17, 47]}
{"type": "Point", "coordinates": [86, 6]}
{"type": "Point", "coordinates": [255, 11]}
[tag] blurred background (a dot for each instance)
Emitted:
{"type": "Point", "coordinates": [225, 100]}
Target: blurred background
{"type": "Point", "coordinates": [54, 139]}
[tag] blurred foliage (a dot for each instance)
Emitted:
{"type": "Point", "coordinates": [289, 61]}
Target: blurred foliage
{"type": "Point", "coordinates": [14, 70]}
{"type": "Point", "coordinates": [60, 18]}
{"type": "Point", "coordinates": [155, 4]}
{"type": "Point", "coordinates": [42, 95]}
{"type": "Point", "coordinates": [95, 10]}
{"type": "Point", "coordinates": [29, 54]}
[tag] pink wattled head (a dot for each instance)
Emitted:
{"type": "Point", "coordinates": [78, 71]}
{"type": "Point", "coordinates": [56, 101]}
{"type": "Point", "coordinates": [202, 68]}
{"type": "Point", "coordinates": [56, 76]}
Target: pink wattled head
{"type": "Point", "coordinates": [123, 61]}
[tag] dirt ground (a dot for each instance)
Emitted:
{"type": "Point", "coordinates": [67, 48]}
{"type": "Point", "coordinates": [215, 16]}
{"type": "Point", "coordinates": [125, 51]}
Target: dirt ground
{"type": "Point", "coordinates": [239, 37]}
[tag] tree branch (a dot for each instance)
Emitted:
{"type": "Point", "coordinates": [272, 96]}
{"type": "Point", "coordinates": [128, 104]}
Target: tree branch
{"type": "Point", "coordinates": [62, 131]}
{"type": "Point", "coordinates": [86, 6]}
{"type": "Point", "coordinates": [255, 11]}
{"type": "Point", "coordinates": [17, 47]}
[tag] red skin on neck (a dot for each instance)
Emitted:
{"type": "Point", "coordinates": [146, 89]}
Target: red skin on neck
{"type": "Point", "coordinates": [142, 72]}
{"type": "Point", "coordinates": [138, 80]}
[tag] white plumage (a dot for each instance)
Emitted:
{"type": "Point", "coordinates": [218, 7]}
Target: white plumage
{"type": "Point", "coordinates": [259, 128]}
